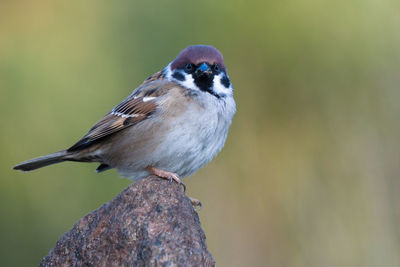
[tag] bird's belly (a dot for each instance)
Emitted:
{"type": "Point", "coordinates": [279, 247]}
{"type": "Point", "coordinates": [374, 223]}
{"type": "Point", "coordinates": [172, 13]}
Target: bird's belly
{"type": "Point", "coordinates": [183, 150]}
{"type": "Point", "coordinates": [191, 145]}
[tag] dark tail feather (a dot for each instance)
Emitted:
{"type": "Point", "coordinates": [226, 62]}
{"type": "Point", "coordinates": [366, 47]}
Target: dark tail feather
{"type": "Point", "coordinates": [40, 162]}
{"type": "Point", "coordinates": [103, 167]}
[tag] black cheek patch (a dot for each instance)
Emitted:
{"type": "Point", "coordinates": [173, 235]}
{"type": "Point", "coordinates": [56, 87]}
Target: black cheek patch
{"type": "Point", "coordinates": [179, 76]}
{"type": "Point", "coordinates": [225, 81]}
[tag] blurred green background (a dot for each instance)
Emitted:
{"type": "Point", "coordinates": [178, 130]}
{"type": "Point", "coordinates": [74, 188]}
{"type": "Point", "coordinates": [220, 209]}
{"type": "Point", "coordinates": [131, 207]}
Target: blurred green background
{"type": "Point", "coordinates": [309, 175]}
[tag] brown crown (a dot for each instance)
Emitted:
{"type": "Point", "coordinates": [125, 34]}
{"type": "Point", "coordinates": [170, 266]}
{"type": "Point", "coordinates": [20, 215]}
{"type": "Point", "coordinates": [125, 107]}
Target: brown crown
{"type": "Point", "coordinates": [197, 54]}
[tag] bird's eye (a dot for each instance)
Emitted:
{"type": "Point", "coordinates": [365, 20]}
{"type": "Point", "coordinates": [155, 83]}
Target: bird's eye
{"type": "Point", "coordinates": [216, 67]}
{"type": "Point", "coordinates": [189, 67]}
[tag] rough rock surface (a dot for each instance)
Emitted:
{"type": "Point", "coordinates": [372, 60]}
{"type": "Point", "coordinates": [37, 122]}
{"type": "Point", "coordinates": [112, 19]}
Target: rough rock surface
{"type": "Point", "coordinates": [150, 223]}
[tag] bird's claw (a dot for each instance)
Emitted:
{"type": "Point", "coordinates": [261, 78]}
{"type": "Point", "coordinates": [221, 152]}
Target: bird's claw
{"type": "Point", "coordinates": [183, 186]}
{"type": "Point", "coordinates": [167, 175]}
{"type": "Point", "coordinates": [195, 203]}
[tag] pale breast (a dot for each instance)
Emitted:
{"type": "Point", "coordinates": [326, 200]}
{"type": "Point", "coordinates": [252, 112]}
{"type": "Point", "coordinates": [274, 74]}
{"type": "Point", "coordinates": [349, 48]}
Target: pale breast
{"type": "Point", "coordinates": [185, 133]}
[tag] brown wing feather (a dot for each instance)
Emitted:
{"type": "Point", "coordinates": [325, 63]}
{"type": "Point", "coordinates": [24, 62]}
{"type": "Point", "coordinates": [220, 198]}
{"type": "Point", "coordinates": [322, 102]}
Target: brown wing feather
{"type": "Point", "coordinates": [131, 111]}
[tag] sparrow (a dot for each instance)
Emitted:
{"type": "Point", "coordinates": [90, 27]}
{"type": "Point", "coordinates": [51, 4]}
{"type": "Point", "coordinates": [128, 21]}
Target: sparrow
{"type": "Point", "coordinates": [175, 122]}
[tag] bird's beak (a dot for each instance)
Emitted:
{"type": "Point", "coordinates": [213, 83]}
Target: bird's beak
{"type": "Point", "coordinates": [203, 70]}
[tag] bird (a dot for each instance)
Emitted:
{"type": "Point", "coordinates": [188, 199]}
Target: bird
{"type": "Point", "coordinates": [174, 123]}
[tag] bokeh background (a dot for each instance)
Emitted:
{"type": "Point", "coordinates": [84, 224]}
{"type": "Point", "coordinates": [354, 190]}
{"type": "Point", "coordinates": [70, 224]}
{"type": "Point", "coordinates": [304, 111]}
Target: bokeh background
{"type": "Point", "coordinates": [309, 175]}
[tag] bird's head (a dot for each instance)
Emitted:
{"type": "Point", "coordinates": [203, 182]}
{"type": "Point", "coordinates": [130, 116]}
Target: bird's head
{"type": "Point", "coordinates": [201, 68]}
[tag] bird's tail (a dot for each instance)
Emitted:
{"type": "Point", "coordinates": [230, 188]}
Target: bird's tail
{"type": "Point", "coordinates": [40, 162]}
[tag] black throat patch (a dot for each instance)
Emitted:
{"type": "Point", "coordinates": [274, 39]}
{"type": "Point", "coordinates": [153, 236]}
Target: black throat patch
{"type": "Point", "coordinates": [205, 83]}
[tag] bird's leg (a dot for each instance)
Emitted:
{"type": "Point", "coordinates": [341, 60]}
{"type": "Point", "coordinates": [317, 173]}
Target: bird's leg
{"type": "Point", "coordinates": [167, 175]}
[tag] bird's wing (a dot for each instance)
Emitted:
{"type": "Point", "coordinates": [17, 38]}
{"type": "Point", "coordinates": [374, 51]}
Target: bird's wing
{"type": "Point", "coordinates": [139, 106]}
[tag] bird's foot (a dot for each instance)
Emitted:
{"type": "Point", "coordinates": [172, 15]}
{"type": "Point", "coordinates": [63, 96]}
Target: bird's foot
{"type": "Point", "coordinates": [195, 203]}
{"type": "Point", "coordinates": [167, 175]}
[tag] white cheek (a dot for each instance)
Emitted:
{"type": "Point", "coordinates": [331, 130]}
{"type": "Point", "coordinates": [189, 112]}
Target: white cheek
{"type": "Point", "coordinates": [188, 82]}
{"type": "Point", "coordinates": [219, 88]}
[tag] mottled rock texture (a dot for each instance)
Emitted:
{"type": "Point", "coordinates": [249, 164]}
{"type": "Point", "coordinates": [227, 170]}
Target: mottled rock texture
{"type": "Point", "coordinates": [150, 223]}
